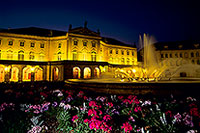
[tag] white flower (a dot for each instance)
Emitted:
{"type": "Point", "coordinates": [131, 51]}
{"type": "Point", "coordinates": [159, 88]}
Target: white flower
{"type": "Point", "coordinates": [61, 105]}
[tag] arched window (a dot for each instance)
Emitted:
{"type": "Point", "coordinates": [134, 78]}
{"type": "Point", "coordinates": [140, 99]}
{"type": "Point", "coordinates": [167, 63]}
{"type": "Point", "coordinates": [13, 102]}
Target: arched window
{"type": "Point", "coordinates": [186, 55]}
{"type": "Point", "coordinates": [38, 74]}
{"type": "Point", "coordinates": [14, 74]}
{"type": "Point", "coordinates": [76, 73]}
{"type": "Point", "coordinates": [74, 56]}
{"type": "Point", "coordinates": [96, 72]}
{"type": "Point", "coordinates": [93, 56]}
{"type": "Point", "coordinates": [122, 60]}
{"type": "Point", "coordinates": [31, 56]}
{"type": "Point", "coordinates": [197, 54]}
{"type": "Point", "coordinates": [198, 62]}
{"type": "Point", "coordinates": [55, 73]}
{"type": "Point", "coordinates": [128, 61]}
{"type": "Point", "coordinates": [59, 55]}
{"type": "Point", "coordinates": [27, 73]}
{"type": "Point", "coordinates": [41, 57]}
{"type": "Point", "coordinates": [9, 55]}
{"type": "Point", "coordinates": [2, 74]}
{"type": "Point", "coordinates": [21, 55]}
{"type": "Point", "coordinates": [192, 54]}
{"type": "Point", "coordinates": [133, 61]}
{"type": "Point", "coordinates": [87, 72]}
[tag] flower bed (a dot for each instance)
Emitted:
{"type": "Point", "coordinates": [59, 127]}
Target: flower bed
{"type": "Point", "coordinates": [61, 110]}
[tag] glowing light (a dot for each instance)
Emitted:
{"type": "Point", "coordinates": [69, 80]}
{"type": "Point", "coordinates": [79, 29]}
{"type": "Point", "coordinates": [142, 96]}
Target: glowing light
{"type": "Point", "coordinates": [134, 70]}
{"type": "Point", "coordinates": [32, 69]}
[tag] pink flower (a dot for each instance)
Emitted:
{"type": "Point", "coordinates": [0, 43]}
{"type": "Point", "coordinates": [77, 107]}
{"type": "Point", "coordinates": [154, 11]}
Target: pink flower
{"type": "Point", "coordinates": [74, 118]}
{"type": "Point", "coordinates": [107, 118]}
{"type": "Point", "coordinates": [92, 112]}
{"type": "Point", "coordinates": [86, 121]}
{"type": "Point", "coordinates": [120, 97]}
{"type": "Point", "coordinates": [110, 104]}
{"type": "Point", "coordinates": [92, 104]}
{"type": "Point", "coordinates": [137, 109]}
{"type": "Point", "coordinates": [127, 127]}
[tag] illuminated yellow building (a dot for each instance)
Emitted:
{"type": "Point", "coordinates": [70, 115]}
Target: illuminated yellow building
{"type": "Point", "coordinates": [35, 54]}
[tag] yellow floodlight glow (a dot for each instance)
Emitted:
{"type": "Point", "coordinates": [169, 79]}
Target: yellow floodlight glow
{"type": "Point", "coordinates": [134, 70]}
{"type": "Point", "coordinates": [32, 69]}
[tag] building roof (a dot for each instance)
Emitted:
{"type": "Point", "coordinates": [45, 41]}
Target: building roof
{"type": "Point", "coordinates": [115, 42]}
{"type": "Point", "coordinates": [178, 45]}
{"type": "Point", "coordinates": [53, 33]}
{"type": "Point", "coordinates": [35, 32]}
{"type": "Point", "coordinates": [84, 31]}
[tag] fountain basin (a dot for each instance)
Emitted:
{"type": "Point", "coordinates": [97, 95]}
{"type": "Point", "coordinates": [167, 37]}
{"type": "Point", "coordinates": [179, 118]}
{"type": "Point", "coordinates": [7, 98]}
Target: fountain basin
{"type": "Point", "coordinates": [176, 86]}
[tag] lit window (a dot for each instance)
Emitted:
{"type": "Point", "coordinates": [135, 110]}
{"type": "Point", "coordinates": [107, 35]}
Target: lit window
{"type": "Point", "coordinates": [128, 60]}
{"type": "Point", "coordinates": [42, 45]}
{"type": "Point", "coordinates": [176, 55]}
{"type": "Point", "coordinates": [59, 55]}
{"type": "Point", "coordinates": [192, 54]}
{"type": "Point", "coordinates": [93, 44]}
{"type": "Point", "coordinates": [84, 43]}
{"type": "Point", "coordinates": [197, 54]}
{"type": "Point", "coordinates": [74, 55]}
{"type": "Point", "coordinates": [75, 43]}
{"type": "Point", "coordinates": [21, 55]}
{"type": "Point", "coordinates": [31, 56]}
{"type": "Point", "coordinates": [127, 52]}
{"type": "Point", "coordinates": [186, 55]}
{"type": "Point", "coordinates": [122, 60]}
{"type": "Point", "coordinates": [93, 56]}
{"type": "Point", "coordinates": [122, 52]}
{"type": "Point", "coordinates": [181, 55]}
{"type": "Point", "coordinates": [116, 51]}
{"type": "Point", "coordinates": [198, 62]}
{"type": "Point", "coordinates": [59, 45]}
{"type": "Point", "coordinates": [111, 51]}
{"type": "Point", "coordinates": [9, 55]}
{"type": "Point", "coordinates": [41, 57]}
{"type": "Point", "coordinates": [10, 43]}
{"type": "Point", "coordinates": [32, 44]}
{"type": "Point", "coordinates": [21, 43]}
{"type": "Point", "coordinates": [192, 61]}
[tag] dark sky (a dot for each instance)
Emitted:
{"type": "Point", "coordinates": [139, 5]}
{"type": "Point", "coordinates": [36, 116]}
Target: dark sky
{"type": "Point", "coordinates": [166, 20]}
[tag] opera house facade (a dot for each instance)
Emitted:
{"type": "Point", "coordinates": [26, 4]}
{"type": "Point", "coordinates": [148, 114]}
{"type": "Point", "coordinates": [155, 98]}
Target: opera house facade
{"type": "Point", "coordinates": [37, 54]}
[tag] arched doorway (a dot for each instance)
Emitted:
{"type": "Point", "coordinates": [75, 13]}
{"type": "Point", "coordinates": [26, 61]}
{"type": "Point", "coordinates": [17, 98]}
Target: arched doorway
{"type": "Point", "coordinates": [87, 72]}
{"type": "Point", "coordinates": [2, 74]}
{"type": "Point", "coordinates": [96, 72]}
{"type": "Point", "coordinates": [76, 73]}
{"type": "Point", "coordinates": [38, 74]}
{"type": "Point", "coordinates": [27, 73]}
{"type": "Point", "coordinates": [14, 74]}
{"type": "Point", "coordinates": [55, 73]}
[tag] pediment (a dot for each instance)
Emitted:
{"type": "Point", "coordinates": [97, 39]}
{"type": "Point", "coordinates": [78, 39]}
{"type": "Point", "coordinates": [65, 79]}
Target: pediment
{"type": "Point", "coordinates": [83, 31]}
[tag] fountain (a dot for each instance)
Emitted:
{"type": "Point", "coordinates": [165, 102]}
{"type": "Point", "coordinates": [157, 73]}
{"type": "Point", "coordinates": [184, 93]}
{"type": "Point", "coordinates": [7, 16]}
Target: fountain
{"type": "Point", "coordinates": [151, 69]}
{"type": "Point", "coordinates": [150, 76]}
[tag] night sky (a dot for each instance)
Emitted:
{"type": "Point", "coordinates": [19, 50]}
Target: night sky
{"type": "Point", "coordinates": [166, 20]}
